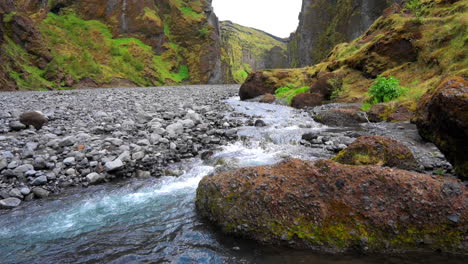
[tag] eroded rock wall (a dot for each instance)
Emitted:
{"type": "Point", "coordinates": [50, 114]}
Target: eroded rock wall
{"type": "Point", "coordinates": [325, 23]}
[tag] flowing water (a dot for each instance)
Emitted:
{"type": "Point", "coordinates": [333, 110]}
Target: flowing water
{"type": "Point", "coordinates": [154, 220]}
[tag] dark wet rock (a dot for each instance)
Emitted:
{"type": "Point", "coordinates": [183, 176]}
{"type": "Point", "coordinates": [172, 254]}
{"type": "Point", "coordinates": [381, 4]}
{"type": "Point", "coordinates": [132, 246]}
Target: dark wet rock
{"type": "Point", "coordinates": [380, 151]}
{"type": "Point", "coordinates": [313, 204]}
{"type": "Point", "coordinates": [41, 180]}
{"type": "Point", "coordinates": [257, 84]}
{"type": "Point", "coordinates": [342, 117]}
{"type": "Point", "coordinates": [9, 203]}
{"type": "Point", "coordinates": [305, 100]}
{"type": "Point", "coordinates": [377, 113]}
{"type": "Point", "coordinates": [442, 118]}
{"type": "Point", "coordinates": [35, 119]}
{"type": "Point", "coordinates": [267, 98]}
{"type": "Point", "coordinates": [206, 155]}
{"type": "Point", "coordinates": [260, 123]}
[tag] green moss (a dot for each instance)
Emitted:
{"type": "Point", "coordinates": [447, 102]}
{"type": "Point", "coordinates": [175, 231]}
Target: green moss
{"type": "Point", "coordinates": [7, 18]}
{"type": "Point", "coordinates": [289, 92]}
{"type": "Point", "coordinates": [22, 70]}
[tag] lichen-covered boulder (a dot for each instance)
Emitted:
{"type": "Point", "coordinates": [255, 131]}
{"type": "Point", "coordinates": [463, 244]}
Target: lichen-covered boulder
{"type": "Point", "coordinates": [256, 84]}
{"type": "Point", "coordinates": [380, 151]}
{"type": "Point", "coordinates": [442, 118]}
{"type": "Point", "coordinates": [334, 207]}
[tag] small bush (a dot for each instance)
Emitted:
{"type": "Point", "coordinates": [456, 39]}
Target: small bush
{"type": "Point", "coordinates": [386, 89]}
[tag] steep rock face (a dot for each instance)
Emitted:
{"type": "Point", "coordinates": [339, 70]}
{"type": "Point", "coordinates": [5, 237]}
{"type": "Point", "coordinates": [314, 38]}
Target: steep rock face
{"type": "Point", "coordinates": [324, 23]}
{"type": "Point", "coordinates": [146, 42]}
{"type": "Point", "coordinates": [419, 46]}
{"type": "Point", "coordinates": [334, 207]}
{"type": "Point", "coordinates": [246, 50]}
{"type": "Point", "coordinates": [442, 117]}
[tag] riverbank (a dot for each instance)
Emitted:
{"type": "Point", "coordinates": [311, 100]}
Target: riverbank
{"type": "Point", "coordinates": [97, 136]}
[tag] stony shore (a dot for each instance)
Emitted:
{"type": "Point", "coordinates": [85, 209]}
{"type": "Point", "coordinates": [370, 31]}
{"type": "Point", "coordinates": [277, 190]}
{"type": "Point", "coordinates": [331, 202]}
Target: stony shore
{"type": "Point", "coordinates": [96, 136]}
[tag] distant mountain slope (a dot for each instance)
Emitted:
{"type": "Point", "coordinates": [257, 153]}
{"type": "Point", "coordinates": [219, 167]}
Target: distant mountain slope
{"type": "Point", "coordinates": [245, 50]}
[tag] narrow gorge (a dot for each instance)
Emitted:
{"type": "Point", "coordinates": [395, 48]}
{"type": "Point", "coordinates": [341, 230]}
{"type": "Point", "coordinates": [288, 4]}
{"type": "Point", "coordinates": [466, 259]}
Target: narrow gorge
{"type": "Point", "coordinates": [152, 131]}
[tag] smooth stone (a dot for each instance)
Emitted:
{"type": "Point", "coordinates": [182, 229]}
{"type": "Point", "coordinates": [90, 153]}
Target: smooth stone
{"type": "Point", "coordinates": [95, 177]}
{"type": "Point", "coordinates": [17, 126]}
{"type": "Point", "coordinates": [16, 193]}
{"type": "Point", "coordinates": [25, 191]}
{"type": "Point", "coordinates": [41, 180]}
{"type": "Point", "coordinates": [40, 192]}
{"type": "Point", "coordinates": [138, 155]}
{"type": "Point", "coordinates": [114, 165]}
{"type": "Point", "coordinates": [10, 203]}
{"type": "Point", "coordinates": [69, 161]}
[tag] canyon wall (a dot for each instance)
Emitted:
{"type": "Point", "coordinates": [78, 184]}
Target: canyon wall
{"type": "Point", "coordinates": [245, 50]}
{"type": "Point", "coordinates": [92, 43]}
{"type": "Point", "coordinates": [325, 23]}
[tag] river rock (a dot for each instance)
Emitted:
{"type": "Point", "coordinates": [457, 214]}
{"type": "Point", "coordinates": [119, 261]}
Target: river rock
{"type": "Point", "coordinates": [117, 164]}
{"type": "Point", "coordinates": [40, 192]}
{"type": "Point", "coordinates": [305, 100]}
{"type": "Point", "coordinates": [3, 163]}
{"type": "Point", "coordinates": [41, 180]}
{"type": "Point", "coordinates": [35, 119]}
{"type": "Point", "coordinates": [333, 207]}
{"type": "Point", "coordinates": [343, 116]}
{"type": "Point", "coordinates": [376, 150]}
{"type": "Point", "coordinates": [442, 118]}
{"type": "Point", "coordinates": [9, 203]}
{"type": "Point", "coordinates": [69, 161]}
{"type": "Point", "coordinates": [17, 126]}
{"type": "Point", "coordinates": [95, 177]}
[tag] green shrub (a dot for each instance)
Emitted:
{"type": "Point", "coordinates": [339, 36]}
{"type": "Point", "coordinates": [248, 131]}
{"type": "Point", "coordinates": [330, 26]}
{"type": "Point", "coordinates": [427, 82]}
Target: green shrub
{"type": "Point", "coordinates": [386, 89]}
{"type": "Point", "coordinates": [417, 7]}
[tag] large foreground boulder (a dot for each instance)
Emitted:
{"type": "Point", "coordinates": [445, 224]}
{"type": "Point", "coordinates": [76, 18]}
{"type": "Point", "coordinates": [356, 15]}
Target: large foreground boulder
{"type": "Point", "coordinates": [442, 118]}
{"type": "Point", "coordinates": [380, 151]}
{"type": "Point", "coordinates": [329, 206]}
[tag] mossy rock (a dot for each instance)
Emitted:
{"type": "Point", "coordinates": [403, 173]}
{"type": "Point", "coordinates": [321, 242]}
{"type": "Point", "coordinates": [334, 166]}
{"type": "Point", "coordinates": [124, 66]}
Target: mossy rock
{"type": "Point", "coordinates": [333, 207]}
{"type": "Point", "coordinates": [380, 151]}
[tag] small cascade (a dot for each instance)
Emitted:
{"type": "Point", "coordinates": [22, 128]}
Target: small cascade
{"type": "Point", "coordinates": [123, 17]}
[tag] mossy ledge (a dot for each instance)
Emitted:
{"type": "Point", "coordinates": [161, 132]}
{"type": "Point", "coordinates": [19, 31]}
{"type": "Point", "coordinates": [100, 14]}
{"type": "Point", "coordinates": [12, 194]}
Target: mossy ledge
{"type": "Point", "coordinates": [337, 208]}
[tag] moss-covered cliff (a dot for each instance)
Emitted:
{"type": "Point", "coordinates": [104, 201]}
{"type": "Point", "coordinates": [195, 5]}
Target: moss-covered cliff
{"type": "Point", "coordinates": [418, 45]}
{"type": "Point", "coordinates": [245, 50]}
{"type": "Point", "coordinates": [324, 23]}
{"type": "Point", "coordinates": [65, 43]}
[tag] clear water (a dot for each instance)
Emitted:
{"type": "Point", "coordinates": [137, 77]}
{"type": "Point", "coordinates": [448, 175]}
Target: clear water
{"type": "Point", "coordinates": [154, 220]}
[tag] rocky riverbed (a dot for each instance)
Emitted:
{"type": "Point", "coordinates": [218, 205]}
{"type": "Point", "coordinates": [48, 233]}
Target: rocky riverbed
{"type": "Point", "coordinates": [96, 136]}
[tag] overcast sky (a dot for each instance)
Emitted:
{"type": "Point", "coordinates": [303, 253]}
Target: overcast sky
{"type": "Point", "coordinates": [277, 17]}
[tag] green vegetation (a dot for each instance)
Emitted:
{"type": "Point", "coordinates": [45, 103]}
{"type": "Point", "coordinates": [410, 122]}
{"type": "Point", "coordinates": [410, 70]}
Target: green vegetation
{"type": "Point", "coordinates": [386, 89]}
{"type": "Point", "coordinates": [288, 92]}
{"type": "Point", "coordinates": [87, 49]}
{"type": "Point", "coordinates": [418, 7]}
